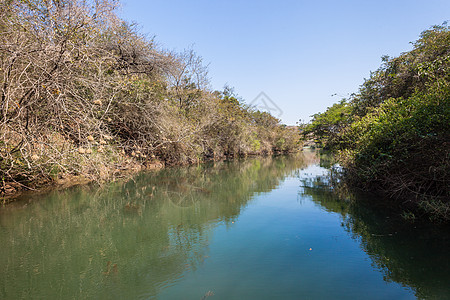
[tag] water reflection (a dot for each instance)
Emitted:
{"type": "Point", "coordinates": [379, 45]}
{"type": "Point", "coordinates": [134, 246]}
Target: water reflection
{"type": "Point", "coordinates": [414, 255]}
{"type": "Point", "coordinates": [144, 238]}
{"type": "Point", "coordinates": [127, 240]}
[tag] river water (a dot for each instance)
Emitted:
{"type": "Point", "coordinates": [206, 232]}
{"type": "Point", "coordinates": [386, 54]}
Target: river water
{"type": "Point", "coordinates": [260, 228]}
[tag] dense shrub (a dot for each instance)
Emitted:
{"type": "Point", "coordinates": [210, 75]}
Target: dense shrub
{"type": "Point", "coordinates": [393, 135]}
{"type": "Point", "coordinates": [83, 92]}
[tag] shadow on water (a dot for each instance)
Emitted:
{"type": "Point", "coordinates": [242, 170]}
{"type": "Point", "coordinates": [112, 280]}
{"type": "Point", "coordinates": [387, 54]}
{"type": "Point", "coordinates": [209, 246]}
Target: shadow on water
{"type": "Point", "coordinates": [130, 239]}
{"type": "Point", "coordinates": [134, 239]}
{"type": "Point", "coordinates": [413, 254]}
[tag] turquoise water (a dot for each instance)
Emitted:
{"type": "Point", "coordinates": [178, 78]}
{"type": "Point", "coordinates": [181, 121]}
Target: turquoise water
{"type": "Point", "coordinates": [262, 228]}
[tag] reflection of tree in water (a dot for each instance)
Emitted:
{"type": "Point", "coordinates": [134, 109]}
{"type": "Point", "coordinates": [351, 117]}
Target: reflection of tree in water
{"type": "Point", "coordinates": [414, 255]}
{"type": "Point", "coordinates": [127, 239]}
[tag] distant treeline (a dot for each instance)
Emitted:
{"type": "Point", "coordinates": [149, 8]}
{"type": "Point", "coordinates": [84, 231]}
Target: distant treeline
{"type": "Point", "coordinates": [84, 93]}
{"type": "Point", "coordinates": [393, 136]}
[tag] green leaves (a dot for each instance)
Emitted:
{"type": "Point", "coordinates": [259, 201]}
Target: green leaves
{"type": "Point", "coordinates": [327, 125]}
{"type": "Point", "coordinates": [393, 134]}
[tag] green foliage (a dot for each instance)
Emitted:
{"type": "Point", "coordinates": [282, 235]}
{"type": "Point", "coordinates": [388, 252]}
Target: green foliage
{"type": "Point", "coordinates": [402, 146]}
{"type": "Point", "coordinates": [327, 125]}
{"type": "Point", "coordinates": [393, 134]}
{"type": "Point", "coordinates": [255, 143]}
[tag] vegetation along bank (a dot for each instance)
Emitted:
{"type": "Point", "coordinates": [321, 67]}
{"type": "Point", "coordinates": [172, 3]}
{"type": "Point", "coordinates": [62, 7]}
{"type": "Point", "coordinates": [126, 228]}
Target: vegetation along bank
{"type": "Point", "coordinates": [393, 136]}
{"type": "Point", "coordinates": [85, 95]}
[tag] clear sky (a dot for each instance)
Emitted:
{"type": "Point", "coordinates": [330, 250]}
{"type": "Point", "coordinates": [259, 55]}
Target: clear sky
{"type": "Point", "coordinates": [299, 53]}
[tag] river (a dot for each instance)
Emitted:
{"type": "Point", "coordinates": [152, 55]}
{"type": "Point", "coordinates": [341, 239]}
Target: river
{"type": "Point", "coordinates": [259, 228]}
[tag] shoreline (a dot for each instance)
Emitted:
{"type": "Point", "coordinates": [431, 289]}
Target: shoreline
{"type": "Point", "coordinates": [66, 181]}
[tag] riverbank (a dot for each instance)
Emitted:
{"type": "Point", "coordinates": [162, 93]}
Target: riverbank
{"type": "Point", "coordinates": [89, 103]}
{"type": "Point", "coordinates": [392, 136]}
{"type": "Point", "coordinates": [10, 191]}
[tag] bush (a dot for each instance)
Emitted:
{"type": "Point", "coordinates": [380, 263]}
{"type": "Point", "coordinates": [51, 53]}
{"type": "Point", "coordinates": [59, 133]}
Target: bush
{"type": "Point", "coordinates": [83, 92]}
{"type": "Point", "coordinates": [402, 147]}
{"type": "Point", "coordinates": [392, 136]}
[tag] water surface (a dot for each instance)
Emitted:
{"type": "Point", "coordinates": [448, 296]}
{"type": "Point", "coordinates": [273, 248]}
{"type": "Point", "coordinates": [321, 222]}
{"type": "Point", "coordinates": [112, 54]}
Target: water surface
{"type": "Point", "coordinates": [262, 228]}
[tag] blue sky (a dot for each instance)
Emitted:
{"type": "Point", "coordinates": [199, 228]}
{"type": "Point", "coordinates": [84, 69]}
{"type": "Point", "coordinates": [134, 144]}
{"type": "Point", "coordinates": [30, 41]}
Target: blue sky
{"type": "Point", "coordinates": [299, 53]}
